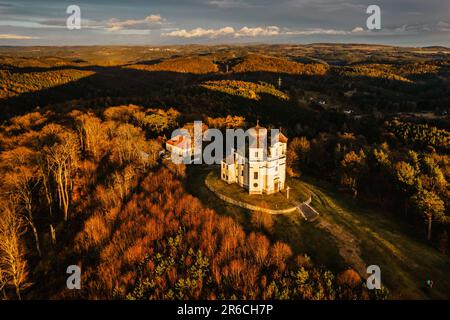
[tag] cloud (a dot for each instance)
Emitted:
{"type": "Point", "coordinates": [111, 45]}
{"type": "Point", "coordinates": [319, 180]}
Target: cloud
{"type": "Point", "coordinates": [315, 31]}
{"type": "Point", "coordinates": [228, 4]}
{"type": "Point", "coordinates": [9, 36]}
{"type": "Point", "coordinates": [358, 30]}
{"type": "Point", "coordinates": [150, 22]}
{"type": "Point", "coordinates": [267, 31]}
{"type": "Point", "coordinates": [257, 32]}
{"type": "Point", "coordinates": [200, 33]}
{"type": "Point", "coordinates": [226, 31]}
{"type": "Point", "coordinates": [440, 26]}
{"type": "Point", "coordinates": [153, 21]}
{"type": "Point", "coordinates": [423, 22]}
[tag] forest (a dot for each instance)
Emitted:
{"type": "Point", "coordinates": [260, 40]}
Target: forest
{"type": "Point", "coordinates": [92, 188]}
{"type": "Point", "coordinates": [84, 180]}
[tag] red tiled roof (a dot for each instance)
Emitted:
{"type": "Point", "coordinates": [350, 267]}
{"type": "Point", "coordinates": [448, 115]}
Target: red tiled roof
{"type": "Point", "coordinates": [180, 141]}
{"type": "Point", "coordinates": [282, 138]}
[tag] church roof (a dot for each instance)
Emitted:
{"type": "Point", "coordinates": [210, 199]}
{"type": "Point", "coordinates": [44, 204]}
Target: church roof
{"type": "Point", "coordinates": [282, 138]}
{"type": "Point", "coordinates": [258, 135]}
{"type": "Point", "coordinates": [180, 141]}
{"type": "Point", "coordinates": [258, 128]}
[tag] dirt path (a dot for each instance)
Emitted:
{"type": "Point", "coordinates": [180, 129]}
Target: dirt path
{"type": "Point", "coordinates": [347, 244]}
{"type": "Point", "coordinates": [346, 241]}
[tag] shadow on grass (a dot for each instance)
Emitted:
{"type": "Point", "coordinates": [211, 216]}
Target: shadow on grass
{"type": "Point", "coordinates": [303, 237]}
{"type": "Point", "coordinates": [406, 261]}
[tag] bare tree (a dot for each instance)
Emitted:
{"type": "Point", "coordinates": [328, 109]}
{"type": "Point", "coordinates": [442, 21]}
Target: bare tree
{"type": "Point", "coordinates": [123, 181]}
{"type": "Point", "coordinates": [23, 183]}
{"type": "Point", "coordinates": [262, 220]}
{"type": "Point", "coordinates": [62, 160]}
{"type": "Point", "coordinates": [45, 177]}
{"type": "Point", "coordinates": [128, 144]}
{"type": "Point", "coordinates": [13, 266]}
{"type": "Point", "coordinates": [3, 281]}
{"type": "Point", "coordinates": [92, 133]}
{"type": "Point", "coordinates": [153, 148]}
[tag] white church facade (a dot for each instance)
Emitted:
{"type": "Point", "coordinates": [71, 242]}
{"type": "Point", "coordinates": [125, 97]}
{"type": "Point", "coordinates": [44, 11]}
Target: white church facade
{"type": "Point", "coordinates": [261, 167]}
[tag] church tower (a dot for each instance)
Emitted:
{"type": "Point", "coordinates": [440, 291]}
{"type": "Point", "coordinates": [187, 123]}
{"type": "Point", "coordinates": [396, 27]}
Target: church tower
{"type": "Point", "coordinates": [256, 155]}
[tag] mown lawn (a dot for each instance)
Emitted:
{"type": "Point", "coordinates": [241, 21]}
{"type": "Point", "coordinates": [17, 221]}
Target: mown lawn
{"type": "Point", "coordinates": [276, 201]}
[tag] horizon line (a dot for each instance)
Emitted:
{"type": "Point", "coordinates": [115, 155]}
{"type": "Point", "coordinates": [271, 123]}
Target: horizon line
{"type": "Point", "coordinates": [240, 44]}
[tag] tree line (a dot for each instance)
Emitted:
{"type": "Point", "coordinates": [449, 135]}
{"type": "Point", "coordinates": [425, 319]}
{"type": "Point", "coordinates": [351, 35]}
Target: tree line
{"type": "Point", "coordinates": [411, 182]}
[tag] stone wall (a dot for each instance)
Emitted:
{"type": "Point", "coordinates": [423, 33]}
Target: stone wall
{"type": "Point", "coordinates": [247, 205]}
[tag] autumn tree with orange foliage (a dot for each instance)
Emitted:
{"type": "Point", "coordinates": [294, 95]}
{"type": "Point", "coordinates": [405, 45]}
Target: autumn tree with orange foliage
{"type": "Point", "coordinates": [139, 234]}
{"type": "Point", "coordinates": [135, 252]}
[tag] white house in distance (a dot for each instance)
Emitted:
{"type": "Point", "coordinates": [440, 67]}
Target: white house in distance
{"type": "Point", "coordinates": [262, 167]}
{"type": "Point", "coordinates": [183, 146]}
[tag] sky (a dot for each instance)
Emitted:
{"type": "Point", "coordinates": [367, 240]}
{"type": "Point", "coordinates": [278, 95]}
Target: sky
{"type": "Point", "coordinates": [163, 22]}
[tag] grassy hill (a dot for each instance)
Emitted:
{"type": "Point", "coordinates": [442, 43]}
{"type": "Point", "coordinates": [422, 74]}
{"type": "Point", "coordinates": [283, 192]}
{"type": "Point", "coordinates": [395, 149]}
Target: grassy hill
{"type": "Point", "coordinates": [405, 261]}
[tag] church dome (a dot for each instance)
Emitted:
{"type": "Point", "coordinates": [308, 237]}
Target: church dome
{"type": "Point", "coordinates": [257, 130]}
{"type": "Point", "coordinates": [258, 136]}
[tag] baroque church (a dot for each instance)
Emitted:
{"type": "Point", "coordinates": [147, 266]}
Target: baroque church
{"type": "Point", "coordinates": [260, 167]}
